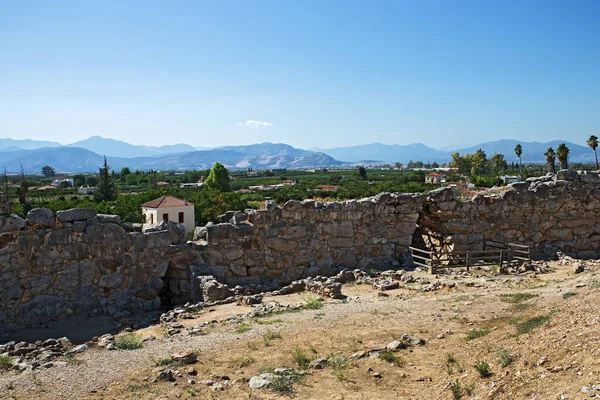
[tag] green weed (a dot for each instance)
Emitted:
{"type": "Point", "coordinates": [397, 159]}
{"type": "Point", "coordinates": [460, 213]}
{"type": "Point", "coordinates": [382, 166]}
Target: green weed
{"type": "Point", "coordinates": [483, 368]}
{"type": "Point", "coordinates": [476, 333]}
{"type": "Point", "coordinates": [531, 323]}
{"type": "Point", "coordinates": [130, 341]}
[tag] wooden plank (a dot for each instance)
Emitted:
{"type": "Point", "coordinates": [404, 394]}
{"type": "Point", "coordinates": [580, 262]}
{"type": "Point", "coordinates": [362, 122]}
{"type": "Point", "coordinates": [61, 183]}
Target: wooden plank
{"type": "Point", "coordinates": [422, 265]}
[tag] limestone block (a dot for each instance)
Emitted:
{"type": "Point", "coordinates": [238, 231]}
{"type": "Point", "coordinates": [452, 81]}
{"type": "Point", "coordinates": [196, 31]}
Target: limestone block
{"type": "Point", "coordinates": [75, 214]}
{"type": "Point", "coordinates": [42, 217]}
{"type": "Point", "coordinates": [11, 223]}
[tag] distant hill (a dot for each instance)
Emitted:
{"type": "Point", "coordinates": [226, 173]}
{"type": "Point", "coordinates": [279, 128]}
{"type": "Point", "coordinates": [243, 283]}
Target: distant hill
{"type": "Point", "coordinates": [118, 148]}
{"type": "Point", "coordinates": [267, 148]}
{"type": "Point", "coordinates": [25, 144]}
{"type": "Point", "coordinates": [258, 156]}
{"type": "Point", "coordinates": [76, 159]}
{"type": "Point", "coordinates": [64, 159]}
{"type": "Point", "coordinates": [388, 153]}
{"type": "Point", "coordinates": [533, 152]}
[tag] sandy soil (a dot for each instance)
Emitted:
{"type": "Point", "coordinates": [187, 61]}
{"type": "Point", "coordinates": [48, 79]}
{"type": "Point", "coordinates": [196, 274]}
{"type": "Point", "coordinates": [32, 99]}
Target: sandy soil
{"type": "Point", "coordinates": [553, 361]}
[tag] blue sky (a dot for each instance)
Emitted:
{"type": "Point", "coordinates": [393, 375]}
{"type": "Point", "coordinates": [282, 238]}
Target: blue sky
{"type": "Point", "coordinates": [308, 73]}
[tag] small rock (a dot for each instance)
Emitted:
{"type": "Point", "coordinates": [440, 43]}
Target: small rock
{"type": "Point", "coordinates": [166, 376]}
{"type": "Point", "coordinates": [78, 349]}
{"type": "Point", "coordinates": [395, 345]}
{"type": "Point", "coordinates": [186, 357]}
{"type": "Point", "coordinates": [259, 382]}
{"type": "Point", "coordinates": [319, 363]}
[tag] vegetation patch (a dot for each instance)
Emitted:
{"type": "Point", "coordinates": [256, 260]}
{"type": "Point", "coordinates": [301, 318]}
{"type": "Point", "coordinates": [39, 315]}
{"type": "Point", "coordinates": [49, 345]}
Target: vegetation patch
{"type": "Point", "coordinates": [516, 297]}
{"type": "Point", "coordinates": [6, 362]}
{"type": "Point", "coordinates": [267, 322]}
{"type": "Point", "coordinates": [390, 357]}
{"type": "Point", "coordinates": [313, 303]}
{"type": "Point", "coordinates": [301, 358]}
{"type": "Point", "coordinates": [569, 294]}
{"type": "Point", "coordinates": [168, 362]}
{"type": "Point", "coordinates": [506, 358]}
{"type": "Point", "coordinates": [452, 364]}
{"type": "Point", "coordinates": [242, 362]}
{"type": "Point", "coordinates": [476, 333]}
{"type": "Point", "coordinates": [483, 368]}
{"type": "Point", "coordinates": [243, 327]}
{"type": "Point", "coordinates": [268, 336]}
{"type": "Point", "coordinates": [130, 341]}
{"type": "Point", "coordinates": [456, 390]}
{"type": "Point", "coordinates": [531, 323]}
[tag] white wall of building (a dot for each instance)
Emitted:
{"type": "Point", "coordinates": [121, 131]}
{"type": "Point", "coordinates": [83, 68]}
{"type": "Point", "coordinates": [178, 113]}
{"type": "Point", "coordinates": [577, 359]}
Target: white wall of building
{"type": "Point", "coordinates": [154, 215]}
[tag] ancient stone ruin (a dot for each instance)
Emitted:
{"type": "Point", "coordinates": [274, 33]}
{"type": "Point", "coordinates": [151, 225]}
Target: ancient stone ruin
{"type": "Point", "coordinates": [77, 262]}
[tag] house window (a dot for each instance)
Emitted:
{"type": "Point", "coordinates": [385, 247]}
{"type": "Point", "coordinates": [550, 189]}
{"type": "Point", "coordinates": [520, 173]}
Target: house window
{"type": "Point", "coordinates": [151, 218]}
{"type": "Point", "coordinates": [166, 217]}
{"type": "Point", "coordinates": [181, 218]}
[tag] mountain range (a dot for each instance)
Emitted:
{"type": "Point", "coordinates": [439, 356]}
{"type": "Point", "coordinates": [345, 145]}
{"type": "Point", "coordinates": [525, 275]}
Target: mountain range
{"type": "Point", "coordinates": [87, 155]}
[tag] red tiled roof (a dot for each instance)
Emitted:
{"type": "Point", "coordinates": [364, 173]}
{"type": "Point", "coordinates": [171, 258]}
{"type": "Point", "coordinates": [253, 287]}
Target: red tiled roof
{"type": "Point", "coordinates": [166, 201]}
{"type": "Point", "coordinates": [434, 174]}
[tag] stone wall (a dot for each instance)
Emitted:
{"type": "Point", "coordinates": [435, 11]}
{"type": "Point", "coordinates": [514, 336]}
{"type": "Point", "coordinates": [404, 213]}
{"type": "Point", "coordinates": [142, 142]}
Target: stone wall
{"type": "Point", "coordinates": [78, 262]}
{"type": "Point", "coordinates": [552, 213]}
{"type": "Point", "coordinates": [280, 244]}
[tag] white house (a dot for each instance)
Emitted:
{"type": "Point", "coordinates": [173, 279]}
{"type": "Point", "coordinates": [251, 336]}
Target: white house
{"type": "Point", "coordinates": [58, 182]}
{"type": "Point", "coordinates": [169, 208]}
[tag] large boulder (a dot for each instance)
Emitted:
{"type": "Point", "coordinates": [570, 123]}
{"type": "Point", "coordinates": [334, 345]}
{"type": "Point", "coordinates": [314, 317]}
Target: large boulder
{"type": "Point", "coordinates": [177, 231]}
{"type": "Point", "coordinates": [11, 223]}
{"type": "Point", "coordinates": [75, 214]}
{"type": "Point", "coordinates": [212, 290]}
{"type": "Point", "coordinates": [109, 219]}
{"type": "Point", "coordinates": [42, 217]}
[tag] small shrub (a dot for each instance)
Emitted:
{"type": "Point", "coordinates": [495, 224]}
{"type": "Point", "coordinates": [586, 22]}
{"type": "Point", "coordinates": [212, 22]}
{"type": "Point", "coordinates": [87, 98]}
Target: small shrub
{"type": "Point", "coordinates": [268, 336]}
{"type": "Point", "coordinates": [469, 389]}
{"type": "Point", "coordinates": [516, 297]}
{"type": "Point", "coordinates": [252, 346]}
{"type": "Point", "coordinates": [243, 327]}
{"type": "Point", "coordinates": [313, 303]}
{"type": "Point", "coordinates": [595, 284]}
{"type": "Point", "coordinates": [168, 362]}
{"type": "Point", "coordinates": [301, 358]}
{"type": "Point", "coordinates": [456, 390]}
{"type": "Point", "coordinates": [6, 362]}
{"type": "Point", "coordinates": [338, 364]}
{"type": "Point", "coordinates": [452, 364]}
{"type": "Point", "coordinates": [506, 358]}
{"type": "Point", "coordinates": [450, 358]}
{"type": "Point", "coordinates": [130, 341]}
{"type": "Point", "coordinates": [267, 322]}
{"type": "Point", "coordinates": [531, 323]}
{"type": "Point", "coordinates": [281, 385]}
{"type": "Point", "coordinates": [569, 294]}
{"type": "Point", "coordinates": [476, 333]}
{"type": "Point", "coordinates": [135, 388]}
{"type": "Point", "coordinates": [390, 357]}
{"type": "Point", "coordinates": [242, 362]}
{"type": "Point", "coordinates": [483, 368]}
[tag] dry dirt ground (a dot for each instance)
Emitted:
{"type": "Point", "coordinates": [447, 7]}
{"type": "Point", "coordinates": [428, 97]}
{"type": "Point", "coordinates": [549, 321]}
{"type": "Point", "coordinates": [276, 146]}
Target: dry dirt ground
{"type": "Point", "coordinates": [539, 335]}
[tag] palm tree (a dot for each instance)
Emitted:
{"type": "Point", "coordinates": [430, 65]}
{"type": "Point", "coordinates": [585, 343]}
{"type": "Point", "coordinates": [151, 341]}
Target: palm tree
{"type": "Point", "coordinates": [550, 158]}
{"type": "Point", "coordinates": [518, 151]}
{"type": "Point", "coordinates": [593, 143]}
{"type": "Point", "coordinates": [562, 153]}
